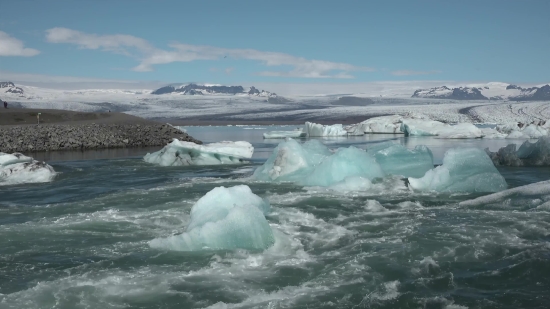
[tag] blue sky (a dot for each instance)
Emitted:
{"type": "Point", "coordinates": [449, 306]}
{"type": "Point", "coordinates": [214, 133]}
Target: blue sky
{"type": "Point", "coordinates": [231, 42]}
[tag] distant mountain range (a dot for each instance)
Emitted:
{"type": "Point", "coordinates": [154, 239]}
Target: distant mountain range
{"type": "Point", "coordinates": [206, 89]}
{"type": "Point", "coordinates": [491, 91]}
{"type": "Point", "coordinates": [9, 87]}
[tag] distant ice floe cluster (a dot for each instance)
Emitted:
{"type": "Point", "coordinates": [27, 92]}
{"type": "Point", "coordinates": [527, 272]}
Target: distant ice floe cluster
{"type": "Point", "coordinates": [413, 124]}
{"type": "Point", "coordinates": [17, 168]}
{"type": "Point", "coordinates": [528, 154]}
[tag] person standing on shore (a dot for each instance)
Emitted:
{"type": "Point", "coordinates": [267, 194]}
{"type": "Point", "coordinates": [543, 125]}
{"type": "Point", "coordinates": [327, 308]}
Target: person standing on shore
{"type": "Point", "coordinates": [5, 104]}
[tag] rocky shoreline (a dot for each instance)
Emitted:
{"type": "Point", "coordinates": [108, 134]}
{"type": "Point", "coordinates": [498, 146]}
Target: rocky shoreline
{"type": "Point", "coordinates": [35, 138]}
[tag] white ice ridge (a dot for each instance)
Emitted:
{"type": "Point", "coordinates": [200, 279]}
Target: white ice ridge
{"type": "Point", "coordinates": [315, 129]}
{"type": "Point", "coordinates": [178, 153]}
{"type": "Point", "coordinates": [298, 133]}
{"type": "Point", "coordinates": [17, 168]}
{"type": "Point", "coordinates": [531, 195]}
{"type": "Point", "coordinates": [313, 164]}
{"type": "Point", "coordinates": [224, 219]}
{"type": "Point", "coordinates": [463, 170]}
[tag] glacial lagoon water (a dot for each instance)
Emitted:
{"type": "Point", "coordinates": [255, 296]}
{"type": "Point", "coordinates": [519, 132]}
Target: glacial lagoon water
{"type": "Point", "coordinates": [82, 241]}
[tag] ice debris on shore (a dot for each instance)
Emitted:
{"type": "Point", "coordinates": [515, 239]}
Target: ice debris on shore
{"type": "Point", "coordinates": [463, 170]}
{"type": "Point", "coordinates": [180, 153]}
{"type": "Point", "coordinates": [17, 168]}
{"type": "Point", "coordinates": [528, 154]}
{"type": "Point", "coordinates": [298, 133]}
{"type": "Point", "coordinates": [224, 219]}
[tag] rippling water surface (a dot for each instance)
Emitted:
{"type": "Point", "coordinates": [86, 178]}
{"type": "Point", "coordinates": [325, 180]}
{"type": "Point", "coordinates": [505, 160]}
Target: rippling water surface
{"type": "Point", "coordinates": [82, 240]}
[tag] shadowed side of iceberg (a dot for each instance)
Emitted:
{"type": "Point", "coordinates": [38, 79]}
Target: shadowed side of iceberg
{"type": "Point", "coordinates": [179, 153]}
{"type": "Point", "coordinates": [224, 219]}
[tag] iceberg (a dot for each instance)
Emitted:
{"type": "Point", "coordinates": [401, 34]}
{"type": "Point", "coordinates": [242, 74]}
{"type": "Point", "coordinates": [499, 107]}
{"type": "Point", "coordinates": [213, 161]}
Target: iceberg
{"type": "Point", "coordinates": [179, 153]}
{"type": "Point", "coordinates": [463, 170]}
{"type": "Point", "coordinates": [352, 183]}
{"type": "Point", "coordinates": [421, 127]}
{"type": "Point", "coordinates": [492, 133]}
{"type": "Point", "coordinates": [395, 159]}
{"type": "Point", "coordinates": [313, 164]}
{"type": "Point", "coordinates": [17, 168]}
{"type": "Point", "coordinates": [224, 219]}
{"type": "Point", "coordinates": [315, 129]}
{"type": "Point", "coordinates": [528, 154]}
{"type": "Point", "coordinates": [298, 133]}
{"type": "Point", "coordinates": [292, 161]}
{"type": "Point", "coordinates": [383, 124]}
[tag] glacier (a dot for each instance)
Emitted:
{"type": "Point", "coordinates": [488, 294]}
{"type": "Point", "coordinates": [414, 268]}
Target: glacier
{"type": "Point", "coordinates": [528, 154]}
{"type": "Point", "coordinates": [463, 170]}
{"type": "Point", "coordinates": [180, 153]}
{"type": "Point", "coordinates": [223, 219]}
{"type": "Point", "coordinates": [298, 133]}
{"type": "Point", "coordinates": [17, 168]}
{"type": "Point", "coordinates": [317, 130]}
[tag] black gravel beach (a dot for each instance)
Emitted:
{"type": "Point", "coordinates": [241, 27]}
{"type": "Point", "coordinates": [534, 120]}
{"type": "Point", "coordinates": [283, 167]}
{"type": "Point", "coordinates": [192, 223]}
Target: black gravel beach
{"type": "Point", "coordinates": [67, 130]}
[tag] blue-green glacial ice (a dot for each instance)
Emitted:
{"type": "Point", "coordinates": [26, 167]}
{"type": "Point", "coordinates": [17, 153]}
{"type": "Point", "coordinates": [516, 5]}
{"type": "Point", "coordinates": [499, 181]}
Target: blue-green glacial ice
{"type": "Point", "coordinates": [224, 219]}
{"type": "Point", "coordinates": [313, 164]}
{"type": "Point", "coordinates": [463, 170]}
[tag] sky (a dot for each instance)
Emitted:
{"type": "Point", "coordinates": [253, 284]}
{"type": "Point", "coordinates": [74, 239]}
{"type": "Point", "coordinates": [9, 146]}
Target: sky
{"type": "Point", "coordinates": [293, 42]}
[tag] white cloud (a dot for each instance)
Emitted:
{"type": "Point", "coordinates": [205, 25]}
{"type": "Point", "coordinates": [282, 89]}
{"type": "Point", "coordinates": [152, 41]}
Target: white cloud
{"type": "Point", "coordinates": [149, 56]}
{"type": "Point", "coordinates": [10, 46]}
{"type": "Point", "coordinates": [410, 72]}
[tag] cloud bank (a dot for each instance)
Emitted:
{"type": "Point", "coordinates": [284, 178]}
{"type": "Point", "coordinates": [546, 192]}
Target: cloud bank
{"type": "Point", "coordinates": [10, 46]}
{"type": "Point", "coordinates": [409, 72]}
{"type": "Point", "coordinates": [148, 55]}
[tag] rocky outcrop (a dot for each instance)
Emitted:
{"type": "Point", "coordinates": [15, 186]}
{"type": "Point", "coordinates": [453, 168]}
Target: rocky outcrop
{"type": "Point", "coordinates": [31, 138]}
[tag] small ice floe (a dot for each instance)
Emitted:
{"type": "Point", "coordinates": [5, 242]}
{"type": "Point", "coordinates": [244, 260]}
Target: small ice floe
{"type": "Point", "coordinates": [179, 153]}
{"type": "Point", "coordinates": [17, 168]}
{"type": "Point", "coordinates": [317, 130]}
{"type": "Point", "coordinates": [298, 133]}
{"type": "Point", "coordinates": [224, 219]}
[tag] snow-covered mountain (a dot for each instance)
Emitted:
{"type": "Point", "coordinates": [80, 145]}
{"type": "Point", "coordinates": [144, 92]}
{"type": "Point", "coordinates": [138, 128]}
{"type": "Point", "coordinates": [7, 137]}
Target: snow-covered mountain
{"type": "Point", "coordinates": [9, 87]}
{"type": "Point", "coordinates": [208, 89]}
{"type": "Point", "coordinates": [490, 91]}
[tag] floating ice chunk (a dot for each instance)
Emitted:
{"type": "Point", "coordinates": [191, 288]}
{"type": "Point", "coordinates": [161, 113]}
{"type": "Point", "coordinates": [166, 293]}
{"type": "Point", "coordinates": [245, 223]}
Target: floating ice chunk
{"type": "Point", "coordinates": [292, 161]}
{"type": "Point", "coordinates": [383, 124]}
{"type": "Point", "coordinates": [17, 168]}
{"type": "Point", "coordinates": [313, 164]}
{"type": "Point", "coordinates": [284, 134]}
{"type": "Point", "coordinates": [530, 131]}
{"type": "Point", "coordinates": [395, 159]}
{"type": "Point", "coordinates": [179, 153]}
{"type": "Point", "coordinates": [224, 219]}
{"type": "Point", "coordinates": [463, 170]}
{"type": "Point", "coordinates": [536, 194]}
{"type": "Point", "coordinates": [315, 129]}
{"type": "Point", "coordinates": [507, 128]}
{"type": "Point", "coordinates": [528, 154]}
{"type": "Point", "coordinates": [420, 127]}
{"type": "Point", "coordinates": [345, 162]}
